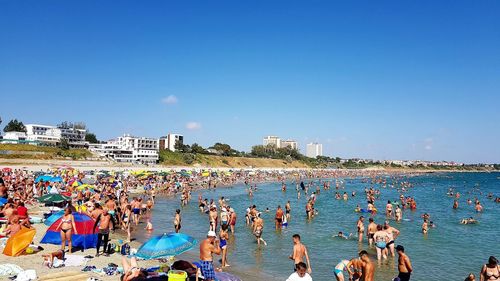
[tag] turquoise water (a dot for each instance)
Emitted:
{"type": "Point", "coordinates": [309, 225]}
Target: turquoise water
{"type": "Point", "coordinates": [450, 247]}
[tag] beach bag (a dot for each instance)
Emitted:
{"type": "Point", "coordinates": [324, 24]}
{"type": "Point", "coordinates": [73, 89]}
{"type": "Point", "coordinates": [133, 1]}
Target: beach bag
{"type": "Point", "coordinates": [125, 251]}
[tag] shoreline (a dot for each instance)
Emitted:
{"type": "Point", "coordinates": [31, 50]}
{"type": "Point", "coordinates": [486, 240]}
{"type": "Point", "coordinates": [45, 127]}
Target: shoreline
{"type": "Point", "coordinates": [35, 165]}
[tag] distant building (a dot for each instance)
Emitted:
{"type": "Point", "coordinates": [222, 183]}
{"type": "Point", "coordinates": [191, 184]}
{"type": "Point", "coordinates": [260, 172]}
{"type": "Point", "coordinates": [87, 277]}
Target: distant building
{"type": "Point", "coordinates": [128, 148]}
{"type": "Point", "coordinates": [43, 134]}
{"type": "Point", "coordinates": [314, 150]}
{"type": "Point", "coordinates": [169, 141]}
{"type": "Point", "coordinates": [289, 143]}
{"type": "Point", "coordinates": [52, 135]}
{"type": "Point", "coordinates": [272, 140]}
{"type": "Point", "coordinates": [14, 137]}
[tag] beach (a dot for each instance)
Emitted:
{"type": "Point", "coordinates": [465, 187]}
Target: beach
{"type": "Point", "coordinates": [250, 261]}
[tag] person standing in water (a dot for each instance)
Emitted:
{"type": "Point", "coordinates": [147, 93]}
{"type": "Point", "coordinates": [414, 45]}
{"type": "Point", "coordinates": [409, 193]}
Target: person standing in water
{"type": "Point", "coordinates": [404, 264]}
{"type": "Point", "coordinates": [398, 214]}
{"type": "Point", "coordinates": [372, 228]}
{"type": "Point", "coordinates": [392, 233]}
{"type": "Point", "coordinates": [490, 271]}
{"type": "Point", "coordinates": [288, 209]}
{"type": "Point", "coordinates": [177, 221]}
{"type": "Point", "coordinates": [208, 247]}
{"type": "Point", "coordinates": [361, 228]}
{"type": "Point", "coordinates": [368, 270]}
{"type": "Point", "coordinates": [258, 228]}
{"type": "Point", "coordinates": [278, 218]}
{"type": "Point", "coordinates": [299, 252]}
{"type": "Point", "coordinates": [339, 270]}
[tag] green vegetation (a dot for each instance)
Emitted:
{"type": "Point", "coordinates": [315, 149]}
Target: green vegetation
{"type": "Point", "coordinates": [26, 151]}
{"type": "Point", "coordinates": [91, 138]}
{"type": "Point", "coordinates": [14, 126]}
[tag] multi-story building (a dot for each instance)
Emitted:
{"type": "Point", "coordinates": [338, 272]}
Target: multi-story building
{"type": "Point", "coordinates": [52, 135]}
{"type": "Point", "coordinates": [43, 134]}
{"type": "Point", "coordinates": [272, 140]}
{"type": "Point", "coordinates": [75, 137]}
{"type": "Point", "coordinates": [128, 148]}
{"type": "Point", "coordinates": [290, 143]}
{"type": "Point", "coordinates": [314, 150]}
{"type": "Point", "coordinates": [169, 141]}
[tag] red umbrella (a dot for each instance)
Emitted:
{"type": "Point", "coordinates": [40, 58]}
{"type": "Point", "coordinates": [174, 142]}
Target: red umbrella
{"type": "Point", "coordinates": [6, 170]}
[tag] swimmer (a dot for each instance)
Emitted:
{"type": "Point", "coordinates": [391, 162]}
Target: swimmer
{"type": "Point", "coordinates": [342, 235]}
{"type": "Point", "coordinates": [361, 228]}
{"type": "Point", "coordinates": [470, 220]}
{"type": "Point", "coordinates": [425, 227]}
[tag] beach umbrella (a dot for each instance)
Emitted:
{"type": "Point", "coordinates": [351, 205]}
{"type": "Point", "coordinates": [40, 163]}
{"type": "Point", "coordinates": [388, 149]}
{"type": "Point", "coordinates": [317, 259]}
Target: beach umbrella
{"type": "Point", "coordinates": [88, 181]}
{"type": "Point", "coordinates": [55, 179]}
{"type": "Point", "coordinates": [84, 226]}
{"type": "Point", "coordinates": [166, 245]}
{"type": "Point", "coordinates": [55, 216]}
{"type": "Point", "coordinates": [53, 198]}
{"type": "Point", "coordinates": [6, 170]}
{"type": "Point", "coordinates": [43, 178]}
{"type": "Point", "coordinates": [3, 201]}
{"type": "Point", "coordinates": [19, 242]}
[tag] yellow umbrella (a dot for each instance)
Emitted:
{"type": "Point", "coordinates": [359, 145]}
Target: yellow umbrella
{"type": "Point", "coordinates": [19, 242]}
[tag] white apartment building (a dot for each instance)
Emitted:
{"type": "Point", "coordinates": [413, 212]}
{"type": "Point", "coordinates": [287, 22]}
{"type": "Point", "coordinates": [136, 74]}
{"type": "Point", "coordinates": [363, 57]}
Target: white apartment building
{"type": "Point", "coordinates": [314, 150]}
{"type": "Point", "coordinates": [272, 140]}
{"type": "Point", "coordinates": [128, 148]}
{"type": "Point", "coordinates": [169, 141]}
{"type": "Point", "coordinates": [290, 143]}
{"type": "Point", "coordinates": [52, 135]}
{"type": "Point", "coordinates": [43, 134]}
{"type": "Point", "coordinates": [14, 137]}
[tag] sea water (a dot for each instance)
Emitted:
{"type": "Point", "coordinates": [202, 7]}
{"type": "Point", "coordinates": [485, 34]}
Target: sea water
{"type": "Point", "coordinates": [448, 252]}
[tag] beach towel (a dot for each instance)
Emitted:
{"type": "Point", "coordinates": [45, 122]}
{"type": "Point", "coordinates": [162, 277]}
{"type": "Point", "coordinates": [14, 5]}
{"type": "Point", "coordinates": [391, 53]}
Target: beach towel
{"type": "Point", "coordinates": [9, 269]}
{"type": "Point", "coordinates": [26, 275]}
{"type": "Point", "coordinates": [74, 260]}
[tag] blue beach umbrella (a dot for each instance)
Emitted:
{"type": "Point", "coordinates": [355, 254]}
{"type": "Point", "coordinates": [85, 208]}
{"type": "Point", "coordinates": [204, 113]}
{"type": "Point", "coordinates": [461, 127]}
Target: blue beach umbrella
{"type": "Point", "coordinates": [43, 178]}
{"type": "Point", "coordinates": [2, 201]}
{"type": "Point", "coordinates": [166, 245]}
{"type": "Point", "coordinates": [56, 179]}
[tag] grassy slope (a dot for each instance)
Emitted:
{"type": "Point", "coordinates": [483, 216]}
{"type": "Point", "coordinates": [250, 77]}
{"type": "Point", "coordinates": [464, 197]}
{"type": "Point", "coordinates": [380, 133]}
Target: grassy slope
{"type": "Point", "coordinates": [26, 151]}
{"type": "Point", "coordinates": [178, 159]}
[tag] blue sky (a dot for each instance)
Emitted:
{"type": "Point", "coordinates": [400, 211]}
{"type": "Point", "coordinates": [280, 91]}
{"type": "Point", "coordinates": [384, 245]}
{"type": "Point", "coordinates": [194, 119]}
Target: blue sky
{"type": "Point", "coordinates": [368, 79]}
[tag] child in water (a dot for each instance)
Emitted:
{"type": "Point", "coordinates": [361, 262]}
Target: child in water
{"type": "Point", "coordinates": [342, 235]}
{"type": "Point", "coordinates": [149, 226]}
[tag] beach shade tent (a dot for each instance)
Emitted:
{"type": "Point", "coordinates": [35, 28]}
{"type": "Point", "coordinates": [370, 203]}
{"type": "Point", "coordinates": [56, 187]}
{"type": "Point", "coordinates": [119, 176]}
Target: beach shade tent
{"type": "Point", "coordinates": [55, 216]}
{"type": "Point", "coordinates": [53, 198]}
{"type": "Point", "coordinates": [43, 178]}
{"type": "Point", "coordinates": [166, 245]}
{"type": "Point", "coordinates": [19, 242]}
{"type": "Point", "coordinates": [86, 238]}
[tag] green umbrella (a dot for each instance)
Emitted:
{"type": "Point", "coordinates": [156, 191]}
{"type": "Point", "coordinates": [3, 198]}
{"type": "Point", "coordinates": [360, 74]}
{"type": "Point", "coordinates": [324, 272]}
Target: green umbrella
{"type": "Point", "coordinates": [53, 198]}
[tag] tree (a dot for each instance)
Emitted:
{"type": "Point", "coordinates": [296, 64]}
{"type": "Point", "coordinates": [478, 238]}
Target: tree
{"type": "Point", "coordinates": [225, 149]}
{"type": "Point", "coordinates": [196, 148]}
{"type": "Point", "coordinates": [15, 126]}
{"type": "Point", "coordinates": [90, 137]}
{"type": "Point", "coordinates": [64, 144]}
{"type": "Point", "coordinates": [69, 125]}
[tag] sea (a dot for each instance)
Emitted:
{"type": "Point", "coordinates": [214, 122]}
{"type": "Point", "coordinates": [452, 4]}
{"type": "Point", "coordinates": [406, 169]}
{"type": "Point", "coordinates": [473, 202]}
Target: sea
{"type": "Point", "coordinates": [450, 251]}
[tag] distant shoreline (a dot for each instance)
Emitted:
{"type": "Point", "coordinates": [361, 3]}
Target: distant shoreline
{"type": "Point", "coordinates": [86, 165]}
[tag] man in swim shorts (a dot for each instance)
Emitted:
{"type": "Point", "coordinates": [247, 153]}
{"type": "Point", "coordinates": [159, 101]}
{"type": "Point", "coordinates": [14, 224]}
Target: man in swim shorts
{"type": "Point", "coordinates": [209, 247]}
{"type": "Point", "coordinates": [404, 264]}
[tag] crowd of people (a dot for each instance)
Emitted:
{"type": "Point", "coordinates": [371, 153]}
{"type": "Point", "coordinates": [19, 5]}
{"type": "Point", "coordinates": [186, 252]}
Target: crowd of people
{"type": "Point", "coordinates": [107, 197]}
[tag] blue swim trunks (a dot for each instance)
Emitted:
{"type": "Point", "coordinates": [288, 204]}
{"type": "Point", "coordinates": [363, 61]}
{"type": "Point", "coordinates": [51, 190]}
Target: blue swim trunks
{"type": "Point", "coordinates": [207, 269]}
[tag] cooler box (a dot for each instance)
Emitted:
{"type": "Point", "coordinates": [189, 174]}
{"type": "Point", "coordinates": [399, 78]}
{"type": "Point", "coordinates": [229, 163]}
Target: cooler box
{"type": "Point", "coordinates": [177, 275]}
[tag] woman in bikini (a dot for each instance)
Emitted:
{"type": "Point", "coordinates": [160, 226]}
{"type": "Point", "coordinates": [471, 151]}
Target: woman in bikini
{"type": "Point", "coordinates": [491, 270]}
{"type": "Point", "coordinates": [224, 236]}
{"type": "Point", "coordinates": [132, 271]}
{"type": "Point", "coordinates": [67, 225]}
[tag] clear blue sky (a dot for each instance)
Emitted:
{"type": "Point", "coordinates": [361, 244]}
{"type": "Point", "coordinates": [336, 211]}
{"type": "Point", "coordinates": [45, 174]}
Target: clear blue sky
{"type": "Point", "coordinates": [368, 79]}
